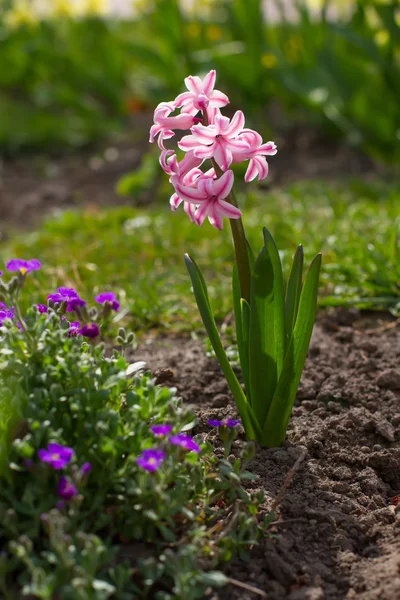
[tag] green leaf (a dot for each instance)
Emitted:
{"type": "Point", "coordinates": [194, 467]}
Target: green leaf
{"type": "Point", "coordinates": [245, 315]}
{"type": "Point", "coordinates": [274, 430]}
{"type": "Point", "coordinates": [267, 327]}
{"type": "Point", "coordinates": [242, 333]}
{"type": "Point", "coordinates": [293, 290]}
{"type": "Point", "coordinates": [203, 303]}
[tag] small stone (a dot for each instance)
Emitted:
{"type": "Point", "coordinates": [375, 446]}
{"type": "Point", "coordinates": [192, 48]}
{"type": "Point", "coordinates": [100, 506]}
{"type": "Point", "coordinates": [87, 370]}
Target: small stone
{"type": "Point", "coordinates": [377, 448]}
{"type": "Point", "coordinates": [365, 449]}
{"type": "Point", "coordinates": [220, 400]}
{"type": "Point", "coordinates": [389, 379]}
{"type": "Point", "coordinates": [345, 334]}
{"type": "Point", "coordinates": [385, 429]}
{"type": "Point", "coordinates": [396, 419]}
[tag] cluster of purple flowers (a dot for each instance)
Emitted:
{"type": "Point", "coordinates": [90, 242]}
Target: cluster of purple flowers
{"type": "Point", "coordinates": [152, 458]}
{"type": "Point", "coordinates": [58, 457]}
{"type": "Point", "coordinates": [66, 296]}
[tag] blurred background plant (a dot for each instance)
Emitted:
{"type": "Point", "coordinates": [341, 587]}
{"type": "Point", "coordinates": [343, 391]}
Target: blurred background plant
{"type": "Point", "coordinates": [72, 71]}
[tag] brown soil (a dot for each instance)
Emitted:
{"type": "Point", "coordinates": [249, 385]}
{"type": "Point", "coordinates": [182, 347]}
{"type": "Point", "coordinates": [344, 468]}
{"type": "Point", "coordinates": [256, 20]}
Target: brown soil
{"type": "Point", "coordinates": [336, 535]}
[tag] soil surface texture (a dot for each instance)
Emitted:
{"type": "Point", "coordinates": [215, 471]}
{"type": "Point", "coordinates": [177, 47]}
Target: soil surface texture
{"type": "Point", "coordinates": [337, 527]}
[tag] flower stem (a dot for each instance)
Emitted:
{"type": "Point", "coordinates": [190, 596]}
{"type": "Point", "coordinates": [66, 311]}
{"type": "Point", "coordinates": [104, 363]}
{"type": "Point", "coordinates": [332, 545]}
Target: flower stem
{"type": "Point", "coordinates": [240, 244]}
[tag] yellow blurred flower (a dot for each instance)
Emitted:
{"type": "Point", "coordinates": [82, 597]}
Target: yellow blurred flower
{"type": "Point", "coordinates": [193, 30]}
{"type": "Point", "coordinates": [269, 61]}
{"type": "Point", "coordinates": [213, 33]}
{"type": "Point", "coordinates": [382, 37]}
{"type": "Point", "coordinates": [22, 14]}
{"type": "Point", "coordinates": [64, 8]}
{"type": "Point", "coordinates": [95, 7]}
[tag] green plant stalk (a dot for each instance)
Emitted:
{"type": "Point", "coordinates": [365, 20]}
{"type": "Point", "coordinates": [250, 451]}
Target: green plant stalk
{"type": "Point", "coordinates": [240, 244]}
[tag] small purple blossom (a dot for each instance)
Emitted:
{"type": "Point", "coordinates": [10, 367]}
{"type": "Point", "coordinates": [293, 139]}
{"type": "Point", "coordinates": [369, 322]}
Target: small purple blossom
{"type": "Point", "coordinates": [68, 295]}
{"type": "Point", "coordinates": [185, 442]}
{"type": "Point", "coordinates": [86, 468]}
{"type": "Point", "coordinates": [74, 329]}
{"type": "Point", "coordinates": [60, 504]}
{"type": "Point", "coordinates": [224, 422]}
{"type": "Point", "coordinates": [161, 430]}
{"type": "Point", "coordinates": [66, 489]}
{"type": "Point", "coordinates": [6, 313]}
{"type": "Point", "coordinates": [23, 266]}
{"type": "Point", "coordinates": [90, 330]}
{"type": "Point", "coordinates": [151, 459]}
{"type": "Point", "coordinates": [42, 308]}
{"type": "Point", "coordinates": [108, 299]}
{"type": "Point", "coordinates": [56, 455]}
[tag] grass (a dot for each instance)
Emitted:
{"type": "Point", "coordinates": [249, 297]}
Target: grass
{"type": "Point", "coordinates": [139, 253]}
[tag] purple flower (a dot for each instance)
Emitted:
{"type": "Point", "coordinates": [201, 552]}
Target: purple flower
{"type": "Point", "coordinates": [56, 455]}
{"type": "Point", "coordinates": [74, 329]}
{"type": "Point", "coordinates": [23, 266]}
{"type": "Point", "coordinates": [161, 430]}
{"type": "Point", "coordinates": [108, 299]}
{"type": "Point", "coordinates": [66, 489]}
{"type": "Point", "coordinates": [185, 442]}
{"type": "Point", "coordinates": [68, 295]}
{"type": "Point", "coordinates": [6, 313]}
{"type": "Point", "coordinates": [224, 423]}
{"type": "Point", "coordinates": [42, 308]}
{"type": "Point", "coordinates": [86, 468]}
{"type": "Point", "coordinates": [90, 330]}
{"type": "Point", "coordinates": [151, 459]}
{"type": "Point", "coordinates": [60, 504]}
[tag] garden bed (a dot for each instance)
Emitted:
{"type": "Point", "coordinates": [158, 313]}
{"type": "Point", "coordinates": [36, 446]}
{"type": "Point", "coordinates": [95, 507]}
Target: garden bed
{"type": "Point", "coordinates": [335, 535]}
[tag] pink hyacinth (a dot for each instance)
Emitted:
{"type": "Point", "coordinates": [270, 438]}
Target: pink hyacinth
{"type": "Point", "coordinates": [218, 140]}
{"type": "Point", "coordinates": [209, 197]}
{"type": "Point", "coordinates": [201, 95]}
{"type": "Point", "coordinates": [164, 124]}
{"type": "Point", "coordinates": [255, 153]}
{"type": "Point", "coordinates": [186, 173]}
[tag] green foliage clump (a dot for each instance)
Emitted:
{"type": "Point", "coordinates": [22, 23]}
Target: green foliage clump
{"type": "Point", "coordinates": [126, 532]}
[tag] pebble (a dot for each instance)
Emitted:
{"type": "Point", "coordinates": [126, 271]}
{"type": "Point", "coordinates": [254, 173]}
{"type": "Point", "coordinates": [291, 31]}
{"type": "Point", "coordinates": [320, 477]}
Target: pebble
{"type": "Point", "coordinates": [220, 400]}
{"type": "Point", "coordinates": [389, 379]}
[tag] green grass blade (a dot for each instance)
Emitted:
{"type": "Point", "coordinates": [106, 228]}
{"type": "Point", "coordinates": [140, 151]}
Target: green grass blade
{"type": "Point", "coordinates": [293, 291]}
{"type": "Point", "coordinates": [274, 429]}
{"type": "Point", "coordinates": [203, 303]}
{"type": "Point", "coordinates": [267, 328]}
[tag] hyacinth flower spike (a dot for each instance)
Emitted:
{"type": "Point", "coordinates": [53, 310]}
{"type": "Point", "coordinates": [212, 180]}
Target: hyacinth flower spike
{"type": "Point", "coordinates": [274, 320]}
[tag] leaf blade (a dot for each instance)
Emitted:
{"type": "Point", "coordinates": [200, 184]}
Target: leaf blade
{"type": "Point", "coordinates": [203, 303]}
{"type": "Point", "coordinates": [275, 426]}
